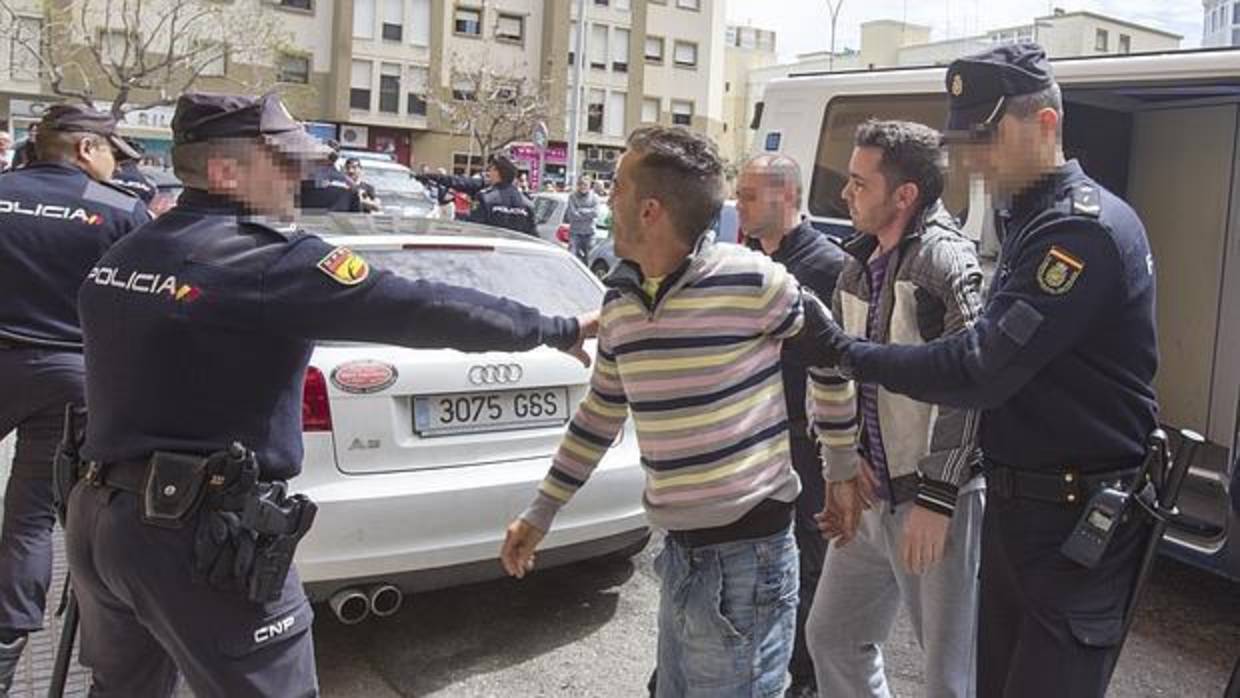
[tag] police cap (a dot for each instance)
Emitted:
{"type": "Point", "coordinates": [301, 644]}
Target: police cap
{"type": "Point", "coordinates": [201, 117]}
{"type": "Point", "coordinates": [979, 85]}
{"type": "Point", "coordinates": [79, 118]}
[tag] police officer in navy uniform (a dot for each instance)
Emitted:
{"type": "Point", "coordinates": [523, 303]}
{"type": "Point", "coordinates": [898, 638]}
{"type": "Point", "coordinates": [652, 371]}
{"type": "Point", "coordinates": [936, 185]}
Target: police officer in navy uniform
{"type": "Point", "coordinates": [1062, 362]}
{"type": "Point", "coordinates": [57, 216]}
{"type": "Point", "coordinates": [129, 176]}
{"type": "Point", "coordinates": [497, 202]}
{"type": "Point", "coordinates": [329, 189]}
{"type": "Point", "coordinates": [198, 329]}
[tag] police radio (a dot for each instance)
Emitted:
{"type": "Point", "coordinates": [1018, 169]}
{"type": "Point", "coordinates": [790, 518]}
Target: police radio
{"type": "Point", "coordinates": [1108, 506]}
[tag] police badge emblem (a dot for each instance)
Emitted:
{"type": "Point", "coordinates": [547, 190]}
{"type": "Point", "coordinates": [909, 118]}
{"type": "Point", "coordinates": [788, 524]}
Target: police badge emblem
{"type": "Point", "coordinates": [1059, 271]}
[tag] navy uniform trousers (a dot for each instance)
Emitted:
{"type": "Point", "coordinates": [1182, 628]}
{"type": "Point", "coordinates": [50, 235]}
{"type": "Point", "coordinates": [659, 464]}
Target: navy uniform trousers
{"type": "Point", "coordinates": [144, 616]}
{"type": "Point", "coordinates": [35, 385]}
{"type": "Point", "coordinates": [1049, 626]}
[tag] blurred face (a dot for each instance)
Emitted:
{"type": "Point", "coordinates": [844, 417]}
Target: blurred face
{"type": "Point", "coordinates": [871, 204]}
{"type": "Point", "coordinates": [583, 186]}
{"type": "Point", "coordinates": [263, 181]}
{"type": "Point", "coordinates": [6, 141]}
{"type": "Point", "coordinates": [1012, 152]}
{"type": "Point", "coordinates": [762, 201]}
{"type": "Point", "coordinates": [353, 170]}
{"type": "Point", "coordinates": [493, 176]}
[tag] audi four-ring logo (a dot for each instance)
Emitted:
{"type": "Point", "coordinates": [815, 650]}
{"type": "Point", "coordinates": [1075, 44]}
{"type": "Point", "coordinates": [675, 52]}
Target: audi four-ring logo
{"type": "Point", "coordinates": [492, 374]}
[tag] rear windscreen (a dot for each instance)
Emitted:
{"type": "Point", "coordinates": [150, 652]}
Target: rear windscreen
{"type": "Point", "coordinates": [553, 283]}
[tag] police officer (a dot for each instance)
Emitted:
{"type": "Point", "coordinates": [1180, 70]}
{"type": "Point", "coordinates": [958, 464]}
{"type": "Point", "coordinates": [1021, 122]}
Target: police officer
{"type": "Point", "coordinates": [498, 202]}
{"type": "Point", "coordinates": [130, 177]}
{"type": "Point", "coordinates": [57, 216]}
{"type": "Point", "coordinates": [200, 328]}
{"type": "Point", "coordinates": [1062, 361]}
{"type": "Point", "coordinates": [329, 189]}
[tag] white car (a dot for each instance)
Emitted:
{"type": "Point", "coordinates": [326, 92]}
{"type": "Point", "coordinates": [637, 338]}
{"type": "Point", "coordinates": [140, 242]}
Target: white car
{"type": "Point", "coordinates": [419, 458]}
{"type": "Point", "coordinates": [549, 210]}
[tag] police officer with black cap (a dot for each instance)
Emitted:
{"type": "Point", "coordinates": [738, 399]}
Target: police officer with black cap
{"type": "Point", "coordinates": [57, 216]}
{"type": "Point", "coordinates": [199, 328]}
{"type": "Point", "coordinates": [1062, 361]}
{"type": "Point", "coordinates": [497, 202]}
{"type": "Point", "coordinates": [129, 176]}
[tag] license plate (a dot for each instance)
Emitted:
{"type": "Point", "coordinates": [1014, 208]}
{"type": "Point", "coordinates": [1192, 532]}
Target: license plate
{"type": "Point", "coordinates": [469, 413]}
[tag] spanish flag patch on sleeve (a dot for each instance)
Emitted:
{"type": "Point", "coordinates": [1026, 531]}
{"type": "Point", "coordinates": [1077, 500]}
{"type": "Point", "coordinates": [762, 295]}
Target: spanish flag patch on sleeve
{"type": "Point", "coordinates": [1059, 271]}
{"type": "Point", "coordinates": [345, 266]}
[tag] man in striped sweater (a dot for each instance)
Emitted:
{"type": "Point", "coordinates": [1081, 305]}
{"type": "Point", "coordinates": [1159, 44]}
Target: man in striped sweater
{"type": "Point", "coordinates": [689, 346]}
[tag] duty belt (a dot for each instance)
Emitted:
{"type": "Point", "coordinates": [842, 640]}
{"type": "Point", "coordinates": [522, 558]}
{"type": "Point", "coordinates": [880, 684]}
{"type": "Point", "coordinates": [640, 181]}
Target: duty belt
{"type": "Point", "coordinates": [1067, 485]}
{"type": "Point", "coordinates": [128, 476]}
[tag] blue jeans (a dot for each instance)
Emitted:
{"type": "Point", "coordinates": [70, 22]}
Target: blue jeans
{"type": "Point", "coordinates": [727, 617]}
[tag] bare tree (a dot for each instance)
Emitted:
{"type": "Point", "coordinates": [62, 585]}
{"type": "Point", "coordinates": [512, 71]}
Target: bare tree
{"type": "Point", "coordinates": [833, 6]}
{"type": "Point", "coordinates": [136, 54]}
{"type": "Point", "coordinates": [490, 105]}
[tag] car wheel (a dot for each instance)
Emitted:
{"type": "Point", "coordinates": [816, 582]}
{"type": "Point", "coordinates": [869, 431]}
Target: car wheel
{"type": "Point", "coordinates": [599, 268]}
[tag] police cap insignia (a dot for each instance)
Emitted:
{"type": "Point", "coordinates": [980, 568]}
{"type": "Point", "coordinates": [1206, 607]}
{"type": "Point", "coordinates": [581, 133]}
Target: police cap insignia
{"type": "Point", "coordinates": [345, 266]}
{"type": "Point", "coordinates": [1059, 271]}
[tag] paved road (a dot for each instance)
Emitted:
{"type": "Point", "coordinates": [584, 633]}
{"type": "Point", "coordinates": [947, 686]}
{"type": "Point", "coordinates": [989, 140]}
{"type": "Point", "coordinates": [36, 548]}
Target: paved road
{"type": "Point", "coordinates": [588, 631]}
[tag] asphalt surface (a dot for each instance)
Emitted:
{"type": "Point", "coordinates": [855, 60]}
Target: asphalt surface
{"type": "Point", "coordinates": [588, 631]}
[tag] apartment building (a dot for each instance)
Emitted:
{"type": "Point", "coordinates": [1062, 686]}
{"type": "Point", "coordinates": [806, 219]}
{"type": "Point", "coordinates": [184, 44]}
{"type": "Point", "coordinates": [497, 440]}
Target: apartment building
{"type": "Point", "coordinates": [1221, 26]}
{"type": "Point", "coordinates": [746, 49]}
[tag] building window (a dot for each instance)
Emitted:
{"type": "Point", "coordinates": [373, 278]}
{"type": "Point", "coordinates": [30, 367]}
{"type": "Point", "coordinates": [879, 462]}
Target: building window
{"type": "Point", "coordinates": [1235, 37]}
{"type": "Point", "coordinates": [359, 85]}
{"type": "Point", "coordinates": [306, 5]}
{"type": "Point", "coordinates": [1125, 43]}
{"type": "Point", "coordinates": [389, 88]}
{"type": "Point", "coordinates": [650, 110]}
{"type": "Point", "coordinates": [654, 49]}
{"type": "Point", "coordinates": [1100, 40]}
{"type": "Point", "coordinates": [419, 79]}
{"type": "Point", "coordinates": [294, 68]}
{"type": "Point", "coordinates": [466, 164]}
{"type": "Point", "coordinates": [572, 44]}
{"type": "Point", "coordinates": [364, 19]}
{"type": "Point", "coordinates": [467, 21]}
{"type": "Point", "coordinates": [1235, 13]}
{"type": "Point", "coordinates": [598, 46]}
{"type": "Point", "coordinates": [620, 51]}
{"type": "Point", "coordinates": [510, 28]}
{"type": "Point", "coordinates": [464, 90]}
{"type": "Point", "coordinates": [686, 54]}
{"type": "Point", "coordinates": [420, 23]}
{"type": "Point", "coordinates": [25, 39]}
{"type": "Point", "coordinates": [602, 3]}
{"type": "Point", "coordinates": [615, 114]}
{"type": "Point", "coordinates": [682, 112]}
{"type": "Point", "coordinates": [622, 5]}
{"type": "Point", "coordinates": [113, 45]}
{"type": "Point", "coordinates": [689, 4]}
{"type": "Point", "coordinates": [594, 111]}
{"type": "Point", "coordinates": [393, 20]}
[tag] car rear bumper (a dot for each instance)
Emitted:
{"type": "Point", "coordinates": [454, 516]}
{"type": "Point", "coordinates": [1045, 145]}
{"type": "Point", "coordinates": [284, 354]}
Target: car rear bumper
{"type": "Point", "coordinates": [416, 527]}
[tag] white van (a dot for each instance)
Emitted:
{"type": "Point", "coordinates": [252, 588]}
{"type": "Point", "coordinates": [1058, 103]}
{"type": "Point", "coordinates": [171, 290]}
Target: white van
{"type": "Point", "coordinates": [1160, 130]}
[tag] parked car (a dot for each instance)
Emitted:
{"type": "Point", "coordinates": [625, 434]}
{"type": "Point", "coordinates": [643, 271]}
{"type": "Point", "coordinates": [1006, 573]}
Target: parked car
{"type": "Point", "coordinates": [602, 258]}
{"type": "Point", "coordinates": [549, 210]}
{"type": "Point", "coordinates": [400, 194]}
{"type": "Point", "coordinates": [419, 458]}
{"type": "Point", "coordinates": [167, 188]}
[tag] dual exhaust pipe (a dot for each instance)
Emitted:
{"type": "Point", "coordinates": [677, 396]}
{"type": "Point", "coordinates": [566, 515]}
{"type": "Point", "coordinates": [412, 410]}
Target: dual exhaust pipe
{"type": "Point", "coordinates": [354, 605]}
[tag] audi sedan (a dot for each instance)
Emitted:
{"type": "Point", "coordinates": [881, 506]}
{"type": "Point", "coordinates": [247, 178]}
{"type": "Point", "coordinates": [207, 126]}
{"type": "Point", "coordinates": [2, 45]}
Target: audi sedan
{"type": "Point", "coordinates": [419, 458]}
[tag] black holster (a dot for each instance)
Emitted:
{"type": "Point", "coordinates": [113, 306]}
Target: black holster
{"type": "Point", "coordinates": [249, 529]}
{"type": "Point", "coordinates": [66, 459]}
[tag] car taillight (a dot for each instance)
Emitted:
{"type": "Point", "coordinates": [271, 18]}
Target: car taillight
{"type": "Point", "coordinates": [561, 233]}
{"type": "Point", "coordinates": [316, 413]}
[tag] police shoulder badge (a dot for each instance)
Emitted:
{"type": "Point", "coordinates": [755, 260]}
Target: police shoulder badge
{"type": "Point", "coordinates": [345, 266]}
{"type": "Point", "coordinates": [1059, 271]}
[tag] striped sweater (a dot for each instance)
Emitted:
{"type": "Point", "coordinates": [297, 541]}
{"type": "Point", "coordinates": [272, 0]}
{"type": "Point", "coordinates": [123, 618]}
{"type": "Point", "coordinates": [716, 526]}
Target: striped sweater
{"type": "Point", "coordinates": [697, 367]}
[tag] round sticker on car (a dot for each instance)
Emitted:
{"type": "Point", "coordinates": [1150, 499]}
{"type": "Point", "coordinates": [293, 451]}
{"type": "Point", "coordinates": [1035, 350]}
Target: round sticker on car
{"type": "Point", "coordinates": [364, 376]}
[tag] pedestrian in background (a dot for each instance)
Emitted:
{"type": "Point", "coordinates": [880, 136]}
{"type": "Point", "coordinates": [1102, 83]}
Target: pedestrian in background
{"type": "Point", "coordinates": [581, 213]}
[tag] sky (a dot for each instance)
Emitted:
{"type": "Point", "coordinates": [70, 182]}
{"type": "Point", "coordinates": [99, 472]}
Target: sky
{"type": "Point", "coordinates": [805, 25]}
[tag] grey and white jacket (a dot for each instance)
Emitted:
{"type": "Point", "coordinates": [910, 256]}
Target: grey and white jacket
{"type": "Point", "coordinates": [932, 288]}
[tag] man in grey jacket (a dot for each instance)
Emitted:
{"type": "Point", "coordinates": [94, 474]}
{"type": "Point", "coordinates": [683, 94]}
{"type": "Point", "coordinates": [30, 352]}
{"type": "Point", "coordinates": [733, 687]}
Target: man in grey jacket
{"type": "Point", "coordinates": [583, 208]}
{"type": "Point", "coordinates": [904, 491]}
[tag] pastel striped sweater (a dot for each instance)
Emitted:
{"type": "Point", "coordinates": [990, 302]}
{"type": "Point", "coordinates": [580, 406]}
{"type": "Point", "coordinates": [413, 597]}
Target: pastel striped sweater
{"type": "Point", "coordinates": [698, 370]}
